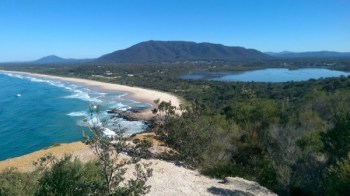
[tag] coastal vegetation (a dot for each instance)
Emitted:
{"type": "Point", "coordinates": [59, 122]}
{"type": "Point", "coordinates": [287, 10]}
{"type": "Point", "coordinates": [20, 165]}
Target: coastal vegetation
{"type": "Point", "coordinates": [291, 137]}
{"type": "Point", "coordinates": [175, 97]}
{"type": "Point", "coordinates": [274, 133]}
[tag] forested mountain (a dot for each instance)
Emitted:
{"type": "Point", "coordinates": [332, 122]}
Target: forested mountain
{"type": "Point", "coordinates": [172, 51]}
{"type": "Point", "coordinates": [313, 54]}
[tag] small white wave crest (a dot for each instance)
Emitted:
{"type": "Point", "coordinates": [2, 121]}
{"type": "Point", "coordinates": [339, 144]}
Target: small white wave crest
{"type": "Point", "coordinates": [76, 114]}
{"type": "Point", "coordinates": [122, 95]}
{"type": "Point", "coordinates": [13, 75]}
{"type": "Point", "coordinates": [37, 80]}
{"type": "Point", "coordinates": [78, 94]}
{"type": "Point", "coordinates": [108, 132]}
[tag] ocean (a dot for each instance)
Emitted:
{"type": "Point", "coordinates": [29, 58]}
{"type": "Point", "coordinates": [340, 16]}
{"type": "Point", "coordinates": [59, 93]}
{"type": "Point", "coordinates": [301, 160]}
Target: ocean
{"type": "Point", "coordinates": [36, 113]}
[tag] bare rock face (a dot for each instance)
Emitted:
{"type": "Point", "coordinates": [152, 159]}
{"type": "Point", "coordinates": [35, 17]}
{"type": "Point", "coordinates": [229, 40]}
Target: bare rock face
{"type": "Point", "coordinates": [171, 180]}
{"type": "Point", "coordinates": [246, 187]}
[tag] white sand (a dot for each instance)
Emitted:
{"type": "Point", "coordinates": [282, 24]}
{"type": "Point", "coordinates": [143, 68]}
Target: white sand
{"type": "Point", "coordinates": [136, 93]}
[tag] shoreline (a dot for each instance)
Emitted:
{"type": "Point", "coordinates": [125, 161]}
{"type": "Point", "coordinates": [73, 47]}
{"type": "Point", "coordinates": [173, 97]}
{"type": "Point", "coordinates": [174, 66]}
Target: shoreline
{"type": "Point", "coordinates": [136, 93]}
{"type": "Point", "coordinates": [24, 163]}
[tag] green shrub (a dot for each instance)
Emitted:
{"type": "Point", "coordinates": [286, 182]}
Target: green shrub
{"type": "Point", "coordinates": [70, 177]}
{"type": "Point", "coordinates": [338, 178]}
{"type": "Point", "coordinates": [13, 182]}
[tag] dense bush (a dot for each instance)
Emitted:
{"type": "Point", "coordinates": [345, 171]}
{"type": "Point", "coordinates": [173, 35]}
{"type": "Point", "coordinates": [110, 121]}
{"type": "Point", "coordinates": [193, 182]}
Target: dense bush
{"type": "Point", "coordinates": [70, 177]}
{"type": "Point", "coordinates": [13, 182]}
{"type": "Point", "coordinates": [338, 178]}
{"type": "Point", "coordinates": [286, 144]}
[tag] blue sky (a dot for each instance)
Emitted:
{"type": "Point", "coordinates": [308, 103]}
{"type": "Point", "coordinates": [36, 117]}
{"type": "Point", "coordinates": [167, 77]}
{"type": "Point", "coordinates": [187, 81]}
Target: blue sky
{"type": "Point", "coordinates": [30, 29]}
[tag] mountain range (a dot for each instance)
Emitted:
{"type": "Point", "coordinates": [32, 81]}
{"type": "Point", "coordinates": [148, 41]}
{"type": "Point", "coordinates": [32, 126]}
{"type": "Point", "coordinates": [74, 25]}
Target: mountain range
{"type": "Point", "coordinates": [184, 51]}
{"type": "Point", "coordinates": [170, 51]}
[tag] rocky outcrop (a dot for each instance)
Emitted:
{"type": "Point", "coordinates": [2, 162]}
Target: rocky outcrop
{"type": "Point", "coordinates": [245, 187]}
{"type": "Point", "coordinates": [138, 114]}
{"type": "Point", "coordinates": [127, 115]}
{"type": "Point", "coordinates": [170, 179]}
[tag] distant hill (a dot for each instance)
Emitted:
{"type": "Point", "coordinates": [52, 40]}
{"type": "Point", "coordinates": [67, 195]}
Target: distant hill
{"type": "Point", "coordinates": [315, 54]}
{"type": "Point", "coordinates": [53, 59]}
{"type": "Point", "coordinates": [50, 59]}
{"type": "Point", "coordinates": [171, 51]}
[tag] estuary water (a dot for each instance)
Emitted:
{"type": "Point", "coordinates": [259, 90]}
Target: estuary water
{"type": "Point", "coordinates": [37, 113]}
{"type": "Point", "coordinates": [266, 75]}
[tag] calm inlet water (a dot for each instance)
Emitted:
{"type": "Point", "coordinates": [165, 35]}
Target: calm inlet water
{"type": "Point", "coordinates": [36, 113]}
{"type": "Point", "coordinates": [266, 75]}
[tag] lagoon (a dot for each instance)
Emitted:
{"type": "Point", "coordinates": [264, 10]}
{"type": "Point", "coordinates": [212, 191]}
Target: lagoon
{"type": "Point", "coordinates": [266, 75]}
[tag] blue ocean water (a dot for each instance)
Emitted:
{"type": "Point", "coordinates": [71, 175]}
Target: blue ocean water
{"type": "Point", "coordinates": [266, 75]}
{"type": "Point", "coordinates": [36, 113]}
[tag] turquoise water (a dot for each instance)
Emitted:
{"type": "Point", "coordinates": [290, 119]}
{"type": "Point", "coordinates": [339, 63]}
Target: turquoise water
{"type": "Point", "coordinates": [36, 113]}
{"type": "Point", "coordinates": [266, 75]}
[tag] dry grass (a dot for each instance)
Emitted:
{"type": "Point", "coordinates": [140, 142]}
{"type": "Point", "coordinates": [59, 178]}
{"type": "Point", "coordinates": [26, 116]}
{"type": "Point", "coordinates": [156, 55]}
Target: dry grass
{"type": "Point", "coordinates": [148, 136]}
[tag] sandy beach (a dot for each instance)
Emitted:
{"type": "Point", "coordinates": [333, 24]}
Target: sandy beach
{"type": "Point", "coordinates": [25, 163]}
{"type": "Point", "coordinates": [134, 93]}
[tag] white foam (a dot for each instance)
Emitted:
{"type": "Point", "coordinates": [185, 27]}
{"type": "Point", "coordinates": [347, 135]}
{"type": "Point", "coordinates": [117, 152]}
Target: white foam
{"type": "Point", "coordinates": [51, 82]}
{"type": "Point", "coordinates": [14, 75]}
{"type": "Point", "coordinates": [94, 122]}
{"type": "Point", "coordinates": [78, 94]}
{"type": "Point", "coordinates": [122, 95]}
{"type": "Point", "coordinates": [108, 132]}
{"type": "Point", "coordinates": [36, 80]}
{"type": "Point", "coordinates": [119, 105]}
{"type": "Point", "coordinates": [76, 114]}
{"type": "Point", "coordinates": [130, 127]}
{"type": "Point", "coordinates": [78, 91]}
{"type": "Point", "coordinates": [58, 84]}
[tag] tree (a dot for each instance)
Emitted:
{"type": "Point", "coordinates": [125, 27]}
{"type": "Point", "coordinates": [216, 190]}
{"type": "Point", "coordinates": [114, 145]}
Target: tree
{"type": "Point", "coordinates": [337, 140]}
{"type": "Point", "coordinates": [189, 134]}
{"type": "Point", "coordinates": [109, 150]}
